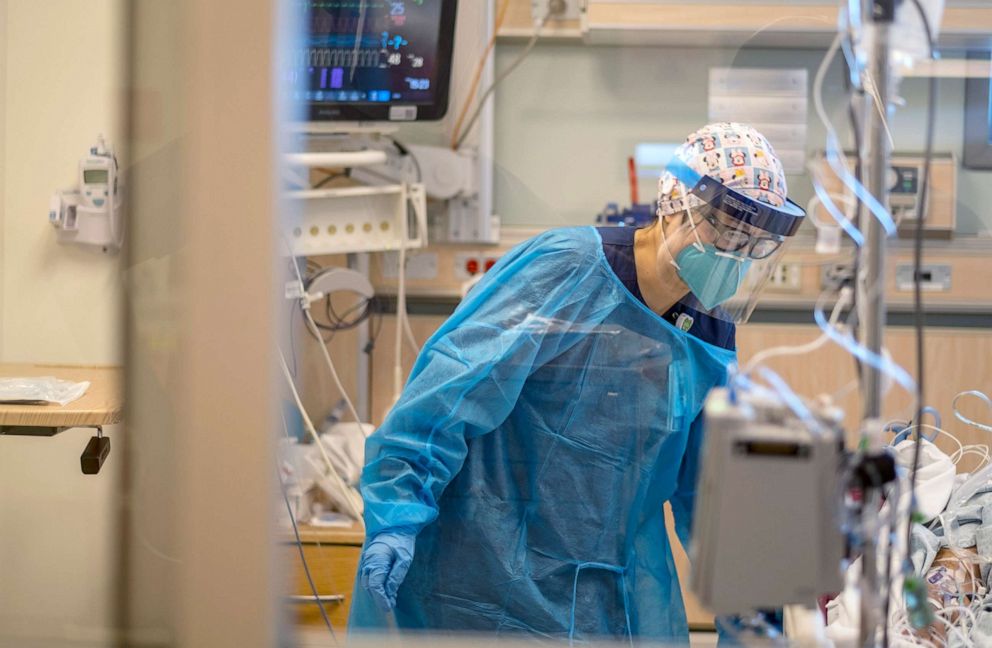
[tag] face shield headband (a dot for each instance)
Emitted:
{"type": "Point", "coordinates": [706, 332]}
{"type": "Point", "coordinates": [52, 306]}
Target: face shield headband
{"type": "Point", "coordinates": [780, 221]}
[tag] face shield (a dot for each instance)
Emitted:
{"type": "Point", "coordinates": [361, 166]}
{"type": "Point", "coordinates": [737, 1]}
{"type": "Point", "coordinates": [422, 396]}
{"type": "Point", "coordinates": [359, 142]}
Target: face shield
{"type": "Point", "coordinates": [731, 244]}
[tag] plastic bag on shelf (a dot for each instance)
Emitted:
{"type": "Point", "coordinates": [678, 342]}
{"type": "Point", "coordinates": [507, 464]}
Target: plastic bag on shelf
{"type": "Point", "coordinates": [41, 390]}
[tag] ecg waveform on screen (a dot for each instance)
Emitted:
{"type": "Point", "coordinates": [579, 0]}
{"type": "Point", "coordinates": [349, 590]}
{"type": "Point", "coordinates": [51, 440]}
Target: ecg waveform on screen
{"type": "Point", "coordinates": [346, 41]}
{"type": "Point", "coordinates": [320, 57]}
{"type": "Point", "coordinates": [367, 51]}
{"type": "Point", "coordinates": [325, 16]}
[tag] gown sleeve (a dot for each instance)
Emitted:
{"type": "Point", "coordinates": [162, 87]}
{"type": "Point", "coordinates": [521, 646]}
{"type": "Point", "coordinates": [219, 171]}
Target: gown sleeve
{"type": "Point", "coordinates": [684, 499]}
{"type": "Point", "coordinates": [469, 375]}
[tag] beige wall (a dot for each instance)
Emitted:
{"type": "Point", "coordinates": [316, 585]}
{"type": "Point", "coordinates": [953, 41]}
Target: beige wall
{"type": "Point", "coordinates": [3, 145]}
{"type": "Point", "coordinates": [60, 88]}
{"type": "Point", "coordinates": [60, 303]}
{"type": "Point", "coordinates": [566, 100]}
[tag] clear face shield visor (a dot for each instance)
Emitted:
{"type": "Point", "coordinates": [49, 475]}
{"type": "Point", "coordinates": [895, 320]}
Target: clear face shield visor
{"type": "Point", "coordinates": [734, 244]}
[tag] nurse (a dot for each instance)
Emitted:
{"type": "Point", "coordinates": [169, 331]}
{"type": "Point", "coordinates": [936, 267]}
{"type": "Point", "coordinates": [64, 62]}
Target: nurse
{"type": "Point", "coordinates": [518, 484]}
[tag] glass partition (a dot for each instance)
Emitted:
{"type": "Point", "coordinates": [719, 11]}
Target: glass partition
{"type": "Point", "coordinates": [426, 321]}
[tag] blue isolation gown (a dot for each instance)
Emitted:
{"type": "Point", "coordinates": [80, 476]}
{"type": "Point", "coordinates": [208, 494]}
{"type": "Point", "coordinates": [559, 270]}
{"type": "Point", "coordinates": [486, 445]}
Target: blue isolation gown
{"type": "Point", "coordinates": [542, 429]}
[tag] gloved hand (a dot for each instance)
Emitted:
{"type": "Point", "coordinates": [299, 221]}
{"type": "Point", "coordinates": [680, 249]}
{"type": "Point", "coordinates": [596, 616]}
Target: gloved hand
{"type": "Point", "coordinates": [384, 565]}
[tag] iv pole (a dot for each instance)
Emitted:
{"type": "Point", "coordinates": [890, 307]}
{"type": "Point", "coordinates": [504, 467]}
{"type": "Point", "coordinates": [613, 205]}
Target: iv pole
{"type": "Point", "coordinates": [875, 161]}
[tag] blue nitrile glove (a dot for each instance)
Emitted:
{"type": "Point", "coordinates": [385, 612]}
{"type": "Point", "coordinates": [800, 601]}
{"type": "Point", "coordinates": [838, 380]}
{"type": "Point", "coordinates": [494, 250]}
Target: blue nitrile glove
{"type": "Point", "coordinates": [384, 565]}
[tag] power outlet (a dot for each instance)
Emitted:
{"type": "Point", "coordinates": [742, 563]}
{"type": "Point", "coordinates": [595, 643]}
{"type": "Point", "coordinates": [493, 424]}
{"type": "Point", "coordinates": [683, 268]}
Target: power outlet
{"type": "Point", "coordinates": [558, 9]}
{"type": "Point", "coordinates": [472, 264]}
{"type": "Point", "coordinates": [420, 265]}
{"type": "Point", "coordinates": [786, 277]}
{"type": "Point", "coordinates": [467, 265]}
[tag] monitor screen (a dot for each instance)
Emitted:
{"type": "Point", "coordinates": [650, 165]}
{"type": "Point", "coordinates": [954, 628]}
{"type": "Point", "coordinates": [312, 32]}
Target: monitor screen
{"type": "Point", "coordinates": [375, 59]}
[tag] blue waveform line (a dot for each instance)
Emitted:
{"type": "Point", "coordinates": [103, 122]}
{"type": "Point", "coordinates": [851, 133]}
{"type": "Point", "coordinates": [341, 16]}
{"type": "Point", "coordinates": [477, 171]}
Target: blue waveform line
{"type": "Point", "coordinates": [343, 40]}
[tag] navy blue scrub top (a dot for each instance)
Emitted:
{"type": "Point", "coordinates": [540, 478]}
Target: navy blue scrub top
{"type": "Point", "coordinates": [618, 245]}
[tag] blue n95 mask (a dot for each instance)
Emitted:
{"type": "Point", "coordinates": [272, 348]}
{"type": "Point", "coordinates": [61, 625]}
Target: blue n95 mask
{"type": "Point", "coordinates": [713, 277]}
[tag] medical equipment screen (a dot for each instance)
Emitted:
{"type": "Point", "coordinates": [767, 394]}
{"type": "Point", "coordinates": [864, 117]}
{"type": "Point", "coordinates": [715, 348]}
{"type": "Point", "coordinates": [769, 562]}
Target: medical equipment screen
{"type": "Point", "coordinates": [375, 59]}
{"type": "Point", "coordinates": [95, 176]}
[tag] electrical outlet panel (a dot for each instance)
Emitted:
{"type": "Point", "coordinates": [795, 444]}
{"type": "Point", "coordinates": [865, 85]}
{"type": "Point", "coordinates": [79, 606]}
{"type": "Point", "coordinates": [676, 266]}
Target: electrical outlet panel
{"type": "Point", "coordinates": [421, 265]}
{"type": "Point", "coordinates": [934, 277]}
{"type": "Point", "coordinates": [786, 277]}
{"type": "Point", "coordinates": [471, 264]}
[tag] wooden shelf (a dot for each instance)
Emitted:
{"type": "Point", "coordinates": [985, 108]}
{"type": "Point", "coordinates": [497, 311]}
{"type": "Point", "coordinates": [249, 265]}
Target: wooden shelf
{"type": "Point", "coordinates": [711, 25]}
{"type": "Point", "coordinates": [725, 24]}
{"type": "Point", "coordinates": [102, 404]}
{"type": "Point", "coordinates": [353, 535]}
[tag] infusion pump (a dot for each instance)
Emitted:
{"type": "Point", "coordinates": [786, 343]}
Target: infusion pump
{"type": "Point", "coordinates": [91, 214]}
{"type": "Point", "coordinates": [767, 530]}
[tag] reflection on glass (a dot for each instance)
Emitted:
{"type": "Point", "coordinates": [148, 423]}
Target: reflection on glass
{"type": "Point", "coordinates": [500, 318]}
